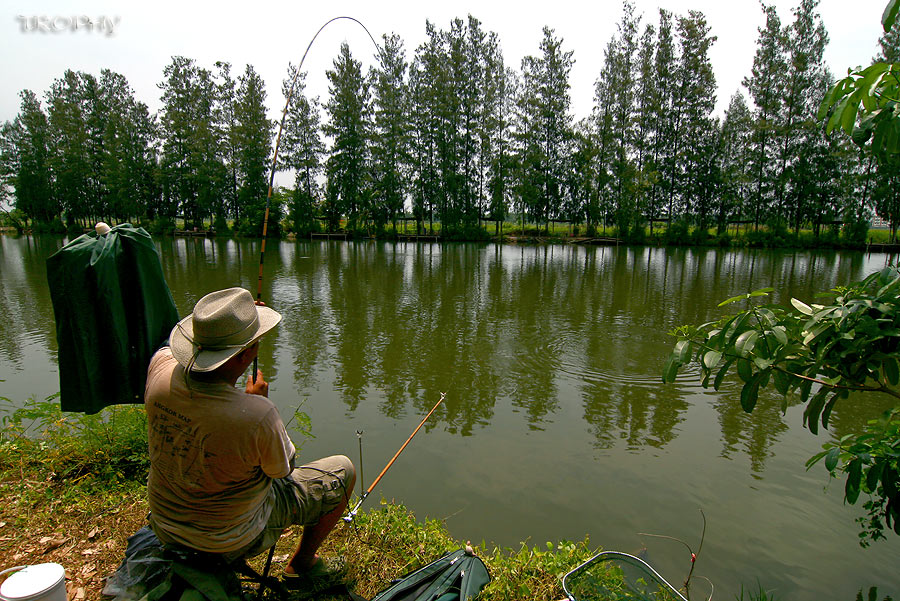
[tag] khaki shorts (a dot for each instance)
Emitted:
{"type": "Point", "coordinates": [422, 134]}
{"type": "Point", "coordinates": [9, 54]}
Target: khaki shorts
{"type": "Point", "coordinates": [302, 498]}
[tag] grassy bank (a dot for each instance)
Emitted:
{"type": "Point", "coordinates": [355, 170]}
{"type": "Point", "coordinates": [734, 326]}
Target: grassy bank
{"type": "Point", "coordinates": [72, 491]}
{"type": "Point", "coordinates": [855, 236]}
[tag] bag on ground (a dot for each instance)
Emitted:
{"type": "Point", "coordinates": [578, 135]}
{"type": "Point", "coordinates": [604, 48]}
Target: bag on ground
{"type": "Point", "coordinates": [457, 576]}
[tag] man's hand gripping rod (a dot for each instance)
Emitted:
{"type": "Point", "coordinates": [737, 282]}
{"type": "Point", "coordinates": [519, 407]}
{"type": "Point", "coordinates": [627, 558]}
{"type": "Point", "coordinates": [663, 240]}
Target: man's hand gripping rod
{"type": "Point", "coordinates": [349, 517]}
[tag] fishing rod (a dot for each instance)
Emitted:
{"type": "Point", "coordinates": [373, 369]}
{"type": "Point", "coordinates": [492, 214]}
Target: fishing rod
{"type": "Point", "coordinates": [287, 104]}
{"type": "Point", "coordinates": [349, 517]}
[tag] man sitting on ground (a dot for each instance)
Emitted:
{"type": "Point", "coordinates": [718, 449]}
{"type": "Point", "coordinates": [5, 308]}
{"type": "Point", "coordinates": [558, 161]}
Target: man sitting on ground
{"type": "Point", "coordinates": [222, 477]}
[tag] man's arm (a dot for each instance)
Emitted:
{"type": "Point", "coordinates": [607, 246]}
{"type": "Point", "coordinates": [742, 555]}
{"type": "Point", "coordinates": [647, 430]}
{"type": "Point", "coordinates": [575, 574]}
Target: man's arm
{"type": "Point", "coordinates": [277, 452]}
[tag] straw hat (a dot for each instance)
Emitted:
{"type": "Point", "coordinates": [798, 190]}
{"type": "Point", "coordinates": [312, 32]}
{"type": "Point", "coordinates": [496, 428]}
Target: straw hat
{"type": "Point", "coordinates": [223, 324]}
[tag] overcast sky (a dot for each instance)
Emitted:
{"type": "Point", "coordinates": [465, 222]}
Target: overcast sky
{"type": "Point", "coordinates": [138, 39]}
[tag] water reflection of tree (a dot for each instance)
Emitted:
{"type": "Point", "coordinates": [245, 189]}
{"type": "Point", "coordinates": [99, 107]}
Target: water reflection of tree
{"type": "Point", "coordinates": [453, 346]}
{"type": "Point", "coordinates": [754, 434]}
{"type": "Point", "coordinates": [25, 295]}
{"type": "Point", "coordinates": [621, 394]}
{"type": "Point", "coordinates": [349, 282]}
{"type": "Point", "coordinates": [532, 327]}
{"type": "Point", "coordinates": [851, 415]}
{"type": "Point", "coordinates": [405, 320]}
{"type": "Point", "coordinates": [302, 329]}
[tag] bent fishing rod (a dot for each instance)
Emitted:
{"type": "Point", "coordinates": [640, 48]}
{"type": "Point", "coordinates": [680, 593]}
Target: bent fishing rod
{"type": "Point", "coordinates": [352, 514]}
{"type": "Point", "coordinates": [287, 104]}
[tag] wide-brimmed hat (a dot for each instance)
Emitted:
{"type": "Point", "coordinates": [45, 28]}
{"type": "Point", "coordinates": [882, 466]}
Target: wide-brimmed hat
{"type": "Point", "coordinates": [223, 324]}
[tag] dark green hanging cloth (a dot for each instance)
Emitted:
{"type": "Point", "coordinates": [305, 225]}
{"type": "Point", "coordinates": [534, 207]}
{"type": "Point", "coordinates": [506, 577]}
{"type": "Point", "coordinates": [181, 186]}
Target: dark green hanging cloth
{"type": "Point", "coordinates": [113, 310]}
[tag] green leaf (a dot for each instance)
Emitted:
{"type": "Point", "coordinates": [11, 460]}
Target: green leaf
{"type": "Point", "coordinates": [854, 475]}
{"type": "Point", "coordinates": [835, 118]}
{"type": "Point", "coordinates": [733, 299]}
{"type": "Point", "coordinates": [711, 359]}
{"type": "Point", "coordinates": [848, 116]}
{"type": "Point", "coordinates": [745, 342]}
{"type": "Point", "coordinates": [816, 331]}
{"type": "Point", "coordinates": [831, 97]}
{"type": "Point", "coordinates": [683, 350]}
{"type": "Point", "coordinates": [889, 16]}
{"type": "Point", "coordinates": [780, 333]}
{"type": "Point", "coordinates": [735, 330]}
{"type": "Point", "coordinates": [889, 481]}
{"type": "Point", "coordinates": [815, 459]}
{"type": "Point", "coordinates": [767, 316]}
{"type": "Point", "coordinates": [762, 292]}
{"type": "Point", "coordinates": [724, 370]}
{"type": "Point", "coordinates": [805, 387]}
{"type": "Point", "coordinates": [801, 306]}
{"type": "Point", "coordinates": [831, 458]}
{"type": "Point", "coordinates": [721, 333]}
{"type": "Point", "coordinates": [782, 382]}
{"type": "Point", "coordinates": [744, 369]}
{"type": "Point", "coordinates": [873, 475]}
{"type": "Point", "coordinates": [891, 370]}
{"type": "Point", "coordinates": [814, 409]}
{"type": "Point", "coordinates": [670, 371]}
{"type": "Point", "coordinates": [826, 412]}
{"type": "Point", "coordinates": [750, 392]}
{"type": "Point", "coordinates": [762, 363]}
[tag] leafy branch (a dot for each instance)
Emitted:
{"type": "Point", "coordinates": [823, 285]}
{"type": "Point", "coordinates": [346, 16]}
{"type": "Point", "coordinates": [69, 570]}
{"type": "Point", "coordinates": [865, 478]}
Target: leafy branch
{"type": "Point", "coordinates": [819, 352]}
{"type": "Point", "coordinates": [866, 103]}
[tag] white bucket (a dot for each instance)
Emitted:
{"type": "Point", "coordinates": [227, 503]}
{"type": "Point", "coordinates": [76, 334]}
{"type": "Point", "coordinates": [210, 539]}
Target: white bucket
{"type": "Point", "coordinates": [41, 582]}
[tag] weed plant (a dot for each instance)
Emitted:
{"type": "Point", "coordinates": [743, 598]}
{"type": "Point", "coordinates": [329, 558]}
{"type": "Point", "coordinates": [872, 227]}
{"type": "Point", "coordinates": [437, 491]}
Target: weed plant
{"type": "Point", "coordinates": [110, 446]}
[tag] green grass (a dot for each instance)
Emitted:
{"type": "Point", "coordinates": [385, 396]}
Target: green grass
{"type": "Point", "coordinates": [72, 489]}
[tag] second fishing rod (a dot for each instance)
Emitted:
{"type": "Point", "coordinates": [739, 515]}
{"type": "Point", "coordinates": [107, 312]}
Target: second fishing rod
{"type": "Point", "coordinates": [352, 513]}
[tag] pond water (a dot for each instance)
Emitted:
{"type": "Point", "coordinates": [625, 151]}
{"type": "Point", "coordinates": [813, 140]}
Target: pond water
{"type": "Point", "coordinates": [556, 424]}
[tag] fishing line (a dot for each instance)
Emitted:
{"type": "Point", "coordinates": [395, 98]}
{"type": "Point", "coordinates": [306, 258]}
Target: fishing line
{"type": "Point", "coordinates": [287, 104]}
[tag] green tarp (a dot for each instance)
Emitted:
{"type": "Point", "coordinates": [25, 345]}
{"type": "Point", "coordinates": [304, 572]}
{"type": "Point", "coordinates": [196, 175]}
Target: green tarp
{"type": "Point", "coordinates": [113, 310]}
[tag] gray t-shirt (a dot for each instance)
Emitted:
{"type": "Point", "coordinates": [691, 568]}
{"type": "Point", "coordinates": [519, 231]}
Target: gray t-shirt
{"type": "Point", "coordinates": [214, 451]}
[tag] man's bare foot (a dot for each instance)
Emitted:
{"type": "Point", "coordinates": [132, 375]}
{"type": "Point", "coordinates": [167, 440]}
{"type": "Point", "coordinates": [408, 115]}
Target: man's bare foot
{"type": "Point", "coordinates": [299, 566]}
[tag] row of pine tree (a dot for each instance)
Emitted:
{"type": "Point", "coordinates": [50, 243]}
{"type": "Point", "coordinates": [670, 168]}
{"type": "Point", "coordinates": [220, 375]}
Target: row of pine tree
{"type": "Point", "coordinates": [455, 135]}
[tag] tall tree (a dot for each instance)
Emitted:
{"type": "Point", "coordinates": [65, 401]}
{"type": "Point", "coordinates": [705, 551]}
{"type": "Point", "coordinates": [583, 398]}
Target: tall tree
{"type": "Point", "coordinates": [695, 132]}
{"type": "Point", "coordinates": [302, 149]}
{"type": "Point", "coordinates": [886, 192]}
{"type": "Point", "coordinates": [798, 135]}
{"type": "Point", "coordinates": [226, 123]}
{"type": "Point", "coordinates": [348, 126]}
{"type": "Point", "coordinates": [193, 173]}
{"type": "Point", "coordinates": [71, 161]}
{"type": "Point", "coordinates": [129, 154]}
{"type": "Point", "coordinates": [622, 94]}
{"type": "Point", "coordinates": [764, 86]}
{"type": "Point", "coordinates": [662, 115]}
{"type": "Point", "coordinates": [647, 99]}
{"type": "Point", "coordinates": [733, 160]}
{"type": "Point", "coordinates": [254, 139]}
{"type": "Point", "coordinates": [545, 127]}
{"type": "Point", "coordinates": [497, 141]}
{"type": "Point", "coordinates": [425, 128]}
{"type": "Point", "coordinates": [889, 45]}
{"type": "Point", "coordinates": [580, 190]}
{"type": "Point", "coordinates": [390, 134]}
{"type": "Point", "coordinates": [9, 162]}
{"type": "Point", "coordinates": [25, 161]}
